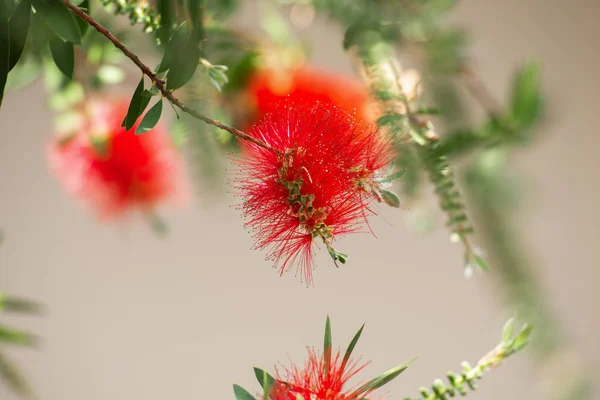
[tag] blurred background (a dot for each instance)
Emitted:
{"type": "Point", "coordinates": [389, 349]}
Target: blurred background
{"type": "Point", "coordinates": [129, 315]}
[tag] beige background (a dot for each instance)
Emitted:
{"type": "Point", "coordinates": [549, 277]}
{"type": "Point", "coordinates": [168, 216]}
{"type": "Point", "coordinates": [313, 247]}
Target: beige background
{"type": "Point", "coordinates": [131, 316]}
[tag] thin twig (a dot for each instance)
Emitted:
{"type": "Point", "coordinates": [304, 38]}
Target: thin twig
{"type": "Point", "coordinates": [480, 91]}
{"type": "Point", "coordinates": [160, 84]}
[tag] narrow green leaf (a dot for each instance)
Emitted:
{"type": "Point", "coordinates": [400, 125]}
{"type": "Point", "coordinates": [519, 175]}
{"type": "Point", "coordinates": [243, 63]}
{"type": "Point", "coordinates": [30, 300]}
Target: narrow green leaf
{"type": "Point", "coordinates": [13, 304]}
{"type": "Point", "coordinates": [263, 377]}
{"type": "Point", "coordinates": [19, 27]}
{"type": "Point", "coordinates": [380, 380]}
{"type": "Point", "coordinates": [523, 336]}
{"type": "Point", "coordinates": [265, 380]}
{"type": "Point", "coordinates": [15, 336]}
{"type": "Point", "coordinates": [390, 198]}
{"type": "Point", "coordinates": [59, 19]}
{"type": "Point", "coordinates": [13, 377]}
{"type": "Point", "coordinates": [135, 106]}
{"type": "Point", "coordinates": [481, 263]}
{"type": "Point", "coordinates": [150, 119]}
{"type": "Point", "coordinates": [63, 56]}
{"type": "Point", "coordinates": [350, 348]}
{"type": "Point", "coordinates": [167, 12]}
{"type": "Point", "coordinates": [393, 177]}
{"type": "Point", "coordinates": [327, 346]}
{"type": "Point", "coordinates": [526, 101]}
{"type": "Point", "coordinates": [84, 26]}
{"type": "Point", "coordinates": [241, 393]}
{"type": "Point", "coordinates": [4, 51]}
{"type": "Point", "coordinates": [508, 331]}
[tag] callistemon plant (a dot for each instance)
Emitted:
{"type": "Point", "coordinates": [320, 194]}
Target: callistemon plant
{"type": "Point", "coordinates": [315, 181]}
{"type": "Point", "coordinates": [326, 375]}
{"type": "Point", "coordinates": [108, 166]}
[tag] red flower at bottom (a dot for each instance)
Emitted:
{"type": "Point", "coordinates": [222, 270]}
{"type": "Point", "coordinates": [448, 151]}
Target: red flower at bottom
{"type": "Point", "coordinates": [312, 381]}
{"type": "Point", "coordinates": [112, 169]}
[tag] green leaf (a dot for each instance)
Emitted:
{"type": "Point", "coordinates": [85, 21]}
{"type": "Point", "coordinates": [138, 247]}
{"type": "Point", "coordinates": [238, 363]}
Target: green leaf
{"type": "Point", "coordinates": [481, 262]}
{"type": "Point", "coordinates": [63, 55]}
{"type": "Point", "coordinates": [327, 346]}
{"type": "Point", "coordinates": [84, 26]}
{"type": "Point", "coordinates": [150, 119]}
{"type": "Point", "coordinates": [59, 19]}
{"type": "Point", "coordinates": [4, 51]}
{"type": "Point", "coordinates": [14, 304]}
{"type": "Point", "coordinates": [522, 337]}
{"type": "Point", "coordinates": [380, 380]}
{"type": "Point", "coordinates": [390, 198]}
{"type": "Point", "coordinates": [167, 12]}
{"type": "Point", "coordinates": [508, 330]}
{"type": "Point", "coordinates": [265, 380]}
{"type": "Point", "coordinates": [184, 49]}
{"type": "Point", "coordinates": [16, 336]}
{"type": "Point", "coordinates": [241, 393]}
{"type": "Point", "coordinates": [136, 106]}
{"type": "Point", "coordinates": [526, 100]}
{"type": "Point", "coordinates": [350, 348]}
{"type": "Point", "coordinates": [218, 77]}
{"type": "Point", "coordinates": [390, 119]}
{"type": "Point", "coordinates": [13, 377]}
{"type": "Point", "coordinates": [19, 27]}
{"type": "Point", "coordinates": [393, 177]}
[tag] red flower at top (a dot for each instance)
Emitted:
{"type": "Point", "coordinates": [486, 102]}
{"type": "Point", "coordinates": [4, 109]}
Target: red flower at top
{"type": "Point", "coordinates": [112, 169]}
{"type": "Point", "coordinates": [315, 185]}
{"type": "Point", "coordinates": [267, 87]}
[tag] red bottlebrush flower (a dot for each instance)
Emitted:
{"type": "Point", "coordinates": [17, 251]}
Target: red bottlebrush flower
{"type": "Point", "coordinates": [325, 376]}
{"type": "Point", "coordinates": [313, 382]}
{"type": "Point", "coordinates": [316, 184]}
{"type": "Point", "coordinates": [112, 169]}
{"type": "Point", "coordinates": [267, 87]}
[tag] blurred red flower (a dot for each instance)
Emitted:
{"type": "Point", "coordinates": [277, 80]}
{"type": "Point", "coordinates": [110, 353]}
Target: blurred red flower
{"type": "Point", "coordinates": [267, 87]}
{"type": "Point", "coordinates": [317, 184]}
{"type": "Point", "coordinates": [112, 169]}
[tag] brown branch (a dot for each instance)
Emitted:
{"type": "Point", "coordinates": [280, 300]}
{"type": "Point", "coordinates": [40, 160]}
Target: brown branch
{"type": "Point", "coordinates": [160, 84]}
{"type": "Point", "coordinates": [480, 91]}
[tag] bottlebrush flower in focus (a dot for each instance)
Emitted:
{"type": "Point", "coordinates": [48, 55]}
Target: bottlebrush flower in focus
{"type": "Point", "coordinates": [316, 184]}
{"type": "Point", "coordinates": [112, 169]}
{"type": "Point", "coordinates": [325, 376]}
{"type": "Point", "coordinates": [267, 87]}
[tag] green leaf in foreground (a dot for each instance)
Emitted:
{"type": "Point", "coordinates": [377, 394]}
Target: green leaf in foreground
{"type": "Point", "coordinates": [19, 27]}
{"type": "Point", "coordinates": [63, 56]}
{"type": "Point", "coordinates": [59, 19]}
{"type": "Point", "coordinates": [380, 380]}
{"type": "Point", "coordinates": [526, 100]}
{"type": "Point", "coordinates": [136, 106]}
{"type": "Point", "coordinates": [241, 393]}
{"type": "Point", "coordinates": [13, 377]}
{"type": "Point", "coordinates": [150, 119]}
{"type": "Point", "coordinates": [327, 346]}
{"type": "Point", "coordinates": [350, 348]}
